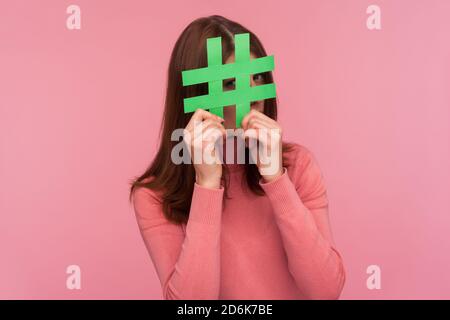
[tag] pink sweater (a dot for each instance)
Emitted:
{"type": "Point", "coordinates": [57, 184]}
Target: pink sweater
{"type": "Point", "coordinates": [277, 246]}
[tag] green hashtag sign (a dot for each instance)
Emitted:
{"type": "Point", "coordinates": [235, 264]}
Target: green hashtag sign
{"type": "Point", "coordinates": [216, 72]}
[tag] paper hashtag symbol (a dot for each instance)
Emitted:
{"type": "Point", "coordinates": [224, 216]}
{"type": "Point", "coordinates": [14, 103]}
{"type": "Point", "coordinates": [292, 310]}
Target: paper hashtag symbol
{"type": "Point", "coordinates": [216, 72]}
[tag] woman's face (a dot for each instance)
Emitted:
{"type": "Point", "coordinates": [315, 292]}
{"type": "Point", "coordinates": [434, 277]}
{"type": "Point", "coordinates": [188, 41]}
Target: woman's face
{"type": "Point", "coordinates": [229, 113]}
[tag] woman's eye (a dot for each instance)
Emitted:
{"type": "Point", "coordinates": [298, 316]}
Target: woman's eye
{"type": "Point", "coordinates": [258, 77]}
{"type": "Point", "coordinates": [229, 84]}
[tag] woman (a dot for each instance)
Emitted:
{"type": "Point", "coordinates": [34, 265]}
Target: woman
{"type": "Point", "coordinates": [227, 231]}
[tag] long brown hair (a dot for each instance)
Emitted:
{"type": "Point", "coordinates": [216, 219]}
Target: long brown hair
{"type": "Point", "coordinates": [175, 183]}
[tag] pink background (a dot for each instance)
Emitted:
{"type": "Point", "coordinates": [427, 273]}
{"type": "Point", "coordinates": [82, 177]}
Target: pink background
{"type": "Point", "coordinates": [80, 114]}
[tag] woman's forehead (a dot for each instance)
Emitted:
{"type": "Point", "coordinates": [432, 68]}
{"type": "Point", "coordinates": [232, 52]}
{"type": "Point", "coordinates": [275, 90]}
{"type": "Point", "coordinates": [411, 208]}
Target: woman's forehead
{"type": "Point", "coordinates": [230, 59]}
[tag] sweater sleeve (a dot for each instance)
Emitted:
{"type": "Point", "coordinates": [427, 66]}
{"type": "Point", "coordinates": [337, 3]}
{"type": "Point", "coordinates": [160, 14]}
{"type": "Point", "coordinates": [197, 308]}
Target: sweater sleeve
{"type": "Point", "coordinates": [187, 262]}
{"type": "Point", "coordinates": [300, 207]}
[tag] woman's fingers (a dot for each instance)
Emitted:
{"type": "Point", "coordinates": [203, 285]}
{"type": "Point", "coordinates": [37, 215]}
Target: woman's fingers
{"type": "Point", "coordinates": [205, 142]}
{"type": "Point", "coordinates": [263, 126]}
{"type": "Point", "coordinates": [208, 130]}
{"type": "Point", "coordinates": [254, 114]}
{"type": "Point", "coordinates": [262, 133]}
{"type": "Point", "coordinates": [201, 115]}
{"type": "Point", "coordinates": [202, 126]}
{"type": "Point", "coordinates": [191, 134]}
{"type": "Point", "coordinates": [213, 130]}
{"type": "Point", "coordinates": [258, 133]}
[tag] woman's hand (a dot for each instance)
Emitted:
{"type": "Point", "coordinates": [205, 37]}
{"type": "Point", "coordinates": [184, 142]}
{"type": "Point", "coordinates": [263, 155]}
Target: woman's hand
{"type": "Point", "coordinates": [267, 132]}
{"type": "Point", "coordinates": [200, 135]}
